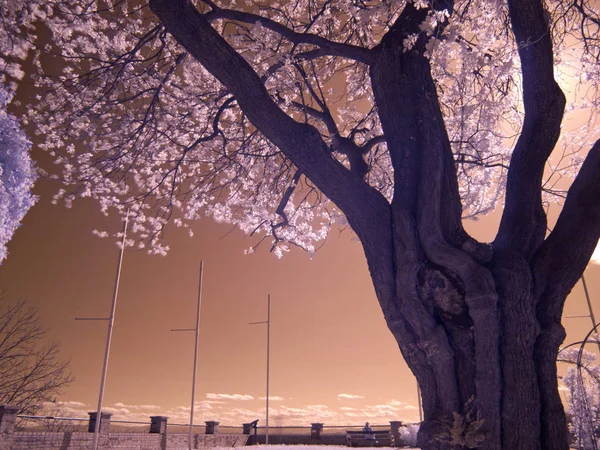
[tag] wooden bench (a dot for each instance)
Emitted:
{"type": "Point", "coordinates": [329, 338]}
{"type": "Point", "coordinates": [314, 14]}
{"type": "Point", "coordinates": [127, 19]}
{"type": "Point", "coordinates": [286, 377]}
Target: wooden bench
{"type": "Point", "coordinates": [374, 438]}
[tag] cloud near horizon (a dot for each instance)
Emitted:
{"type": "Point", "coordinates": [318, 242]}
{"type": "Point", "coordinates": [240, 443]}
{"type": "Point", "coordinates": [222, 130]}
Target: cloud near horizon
{"type": "Point", "coordinates": [273, 398]}
{"type": "Point", "coordinates": [348, 396]}
{"type": "Point", "coordinates": [243, 397]}
{"type": "Point", "coordinates": [65, 409]}
{"type": "Point", "coordinates": [222, 408]}
{"type": "Point", "coordinates": [136, 407]}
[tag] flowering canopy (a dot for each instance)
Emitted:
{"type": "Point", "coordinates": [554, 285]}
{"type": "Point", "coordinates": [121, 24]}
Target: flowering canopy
{"type": "Point", "coordinates": [137, 123]}
{"type": "Point", "coordinates": [582, 380]}
{"type": "Point", "coordinates": [17, 174]}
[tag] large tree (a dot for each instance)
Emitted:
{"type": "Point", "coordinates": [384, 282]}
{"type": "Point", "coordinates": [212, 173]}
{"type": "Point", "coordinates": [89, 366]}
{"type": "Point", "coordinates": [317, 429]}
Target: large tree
{"type": "Point", "coordinates": [400, 118]}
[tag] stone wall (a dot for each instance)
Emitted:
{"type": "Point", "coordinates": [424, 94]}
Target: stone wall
{"type": "Point", "coordinates": [122, 441]}
{"type": "Point", "coordinates": [156, 439]}
{"type": "Point", "coordinates": [180, 441]}
{"type": "Point", "coordinates": [83, 441]}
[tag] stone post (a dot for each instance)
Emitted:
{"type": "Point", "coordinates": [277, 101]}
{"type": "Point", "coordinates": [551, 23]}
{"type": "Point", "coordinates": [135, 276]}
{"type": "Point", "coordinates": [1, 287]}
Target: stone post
{"type": "Point", "coordinates": [395, 432]}
{"type": "Point", "coordinates": [212, 427]}
{"type": "Point", "coordinates": [315, 431]}
{"type": "Point", "coordinates": [8, 418]}
{"type": "Point", "coordinates": [104, 422]}
{"type": "Point", "coordinates": [158, 424]}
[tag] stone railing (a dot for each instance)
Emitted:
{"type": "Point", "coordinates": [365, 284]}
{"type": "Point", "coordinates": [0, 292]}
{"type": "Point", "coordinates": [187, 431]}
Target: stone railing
{"type": "Point", "coordinates": [156, 439]}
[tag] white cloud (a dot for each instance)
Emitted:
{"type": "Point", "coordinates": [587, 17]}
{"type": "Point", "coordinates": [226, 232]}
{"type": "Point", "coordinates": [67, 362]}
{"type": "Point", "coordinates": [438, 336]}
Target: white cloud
{"type": "Point", "coordinates": [596, 255]}
{"type": "Point", "coordinates": [240, 415]}
{"type": "Point", "coordinates": [382, 410]}
{"type": "Point", "coordinates": [65, 409]}
{"type": "Point", "coordinates": [317, 407]}
{"type": "Point", "coordinates": [213, 396]}
{"type": "Point", "coordinates": [349, 396]}
{"type": "Point", "coordinates": [401, 405]}
{"type": "Point", "coordinates": [119, 413]}
{"type": "Point", "coordinates": [72, 404]}
{"type": "Point", "coordinates": [220, 407]}
{"type": "Point", "coordinates": [272, 398]}
{"type": "Point", "coordinates": [136, 407]}
{"type": "Point", "coordinates": [208, 404]}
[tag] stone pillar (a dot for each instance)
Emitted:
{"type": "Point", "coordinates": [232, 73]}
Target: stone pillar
{"type": "Point", "coordinates": [104, 422]}
{"type": "Point", "coordinates": [315, 431]}
{"type": "Point", "coordinates": [8, 418]}
{"type": "Point", "coordinates": [158, 424]}
{"type": "Point", "coordinates": [212, 427]}
{"type": "Point", "coordinates": [395, 432]}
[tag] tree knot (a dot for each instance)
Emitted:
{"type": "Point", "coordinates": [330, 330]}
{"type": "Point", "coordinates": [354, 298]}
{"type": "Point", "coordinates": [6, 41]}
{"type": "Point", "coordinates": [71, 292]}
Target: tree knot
{"type": "Point", "coordinates": [443, 292]}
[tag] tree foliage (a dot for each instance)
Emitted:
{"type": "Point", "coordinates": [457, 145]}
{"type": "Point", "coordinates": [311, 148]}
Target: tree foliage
{"type": "Point", "coordinates": [399, 118]}
{"type": "Point", "coordinates": [17, 174]}
{"type": "Point", "coordinates": [147, 126]}
{"type": "Point", "coordinates": [582, 380]}
{"type": "Point", "coordinates": [31, 371]}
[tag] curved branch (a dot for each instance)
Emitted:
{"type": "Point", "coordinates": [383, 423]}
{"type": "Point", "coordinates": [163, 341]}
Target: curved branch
{"type": "Point", "coordinates": [557, 266]}
{"type": "Point", "coordinates": [562, 258]}
{"type": "Point", "coordinates": [425, 184]}
{"type": "Point", "coordinates": [366, 209]}
{"type": "Point", "coordinates": [354, 52]}
{"type": "Point", "coordinates": [523, 224]}
{"type": "Point", "coordinates": [374, 141]}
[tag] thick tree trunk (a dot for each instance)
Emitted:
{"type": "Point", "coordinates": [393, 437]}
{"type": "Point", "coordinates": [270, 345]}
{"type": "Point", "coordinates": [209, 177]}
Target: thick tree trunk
{"type": "Point", "coordinates": [439, 342]}
{"type": "Point", "coordinates": [482, 327]}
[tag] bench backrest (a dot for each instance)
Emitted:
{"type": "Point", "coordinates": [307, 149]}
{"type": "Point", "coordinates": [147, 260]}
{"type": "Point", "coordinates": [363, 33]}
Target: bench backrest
{"type": "Point", "coordinates": [382, 432]}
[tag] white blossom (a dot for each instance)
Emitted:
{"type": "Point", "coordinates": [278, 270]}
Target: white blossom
{"type": "Point", "coordinates": [582, 380]}
{"type": "Point", "coordinates": [17, 174]}
{"type": "Point", "coordinates": [130, 117]}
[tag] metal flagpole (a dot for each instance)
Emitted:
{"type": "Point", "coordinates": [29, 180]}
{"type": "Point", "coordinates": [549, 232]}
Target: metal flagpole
{"type": "Point", "coordinates": [419, 402]}
{"type": "Point", "coordinates": [111, 321]}
{"type": "Point", "coordinates": [589, 303]}
{"type": "Point", "coordinates": [268, 354]}
{"type": "Point", "coordinates": [196, 353]}
{"type": "Point", "coordinates": [268, 322]}
{"type": "Point", "coordinates": [197, 331]}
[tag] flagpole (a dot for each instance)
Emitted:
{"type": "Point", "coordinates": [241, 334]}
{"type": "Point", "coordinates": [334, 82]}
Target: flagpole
{"type": "Point", "coordinates": [111, 321]}
{"type": "Point", "coordinates": [196, 354]}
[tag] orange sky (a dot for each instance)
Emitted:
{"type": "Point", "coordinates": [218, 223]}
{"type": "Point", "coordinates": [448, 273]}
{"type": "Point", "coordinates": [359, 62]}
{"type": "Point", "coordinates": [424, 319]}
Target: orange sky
{"type": "Point", "coordinates": [328, 336]}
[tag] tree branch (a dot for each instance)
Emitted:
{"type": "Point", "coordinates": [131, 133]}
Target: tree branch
{"type": "Point", "coordinates": [374, 141]}
{"type": "Point", "coordinates": [562, 258]}
{"type": "Point", "coordinates": [523, 224]}
{"type": "Point", "coordinates": [556, 267]}
{"type": "Point", "coordinates": [426, 189]}
{"type": "Point", "coordinates": [331, 48]}
{"type": "Point", "coordinates": [367, 211]}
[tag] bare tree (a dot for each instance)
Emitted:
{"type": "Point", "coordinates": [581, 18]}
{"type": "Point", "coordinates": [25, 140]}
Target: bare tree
{"type": "Point", "coordinates": [56, 416]}
{"type": "Point", "coordinates": [31, 372]}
